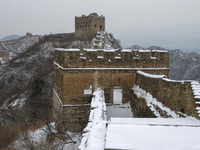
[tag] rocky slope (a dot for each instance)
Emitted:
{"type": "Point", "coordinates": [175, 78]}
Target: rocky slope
{"type": "Point", "coordinates": [184, 66]}
{"type": "Point", "coordinates": [19, 45]}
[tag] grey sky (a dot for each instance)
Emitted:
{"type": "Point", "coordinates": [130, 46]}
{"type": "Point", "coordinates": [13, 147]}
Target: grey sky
{"type": "Point", "coordinates": [131, 21]}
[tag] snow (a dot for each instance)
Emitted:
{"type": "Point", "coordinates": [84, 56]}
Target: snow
{"type": "Point", "coordinates": [38, 138]}
{"type": "Point", "coordinates": [148, 137]}
{"type": "Point", "coordinates": [135, 57]}
{"type": "Point", "coordinates": [110, 50]}
{"type": "Point", "coordinates": [117, 57]}
{"type": "Point", "coordinates": [100, 57]}
{"type": "Point", "coordinates": [88, 91]}
{"type": "Point", "coordinates": [18, 102]}
{"type": "Point", "coordinates": [120, 110]}
{"type": "Point", "coordinates": [63, 49]}
{"type": "Point", "coordinates": [126, 50]}
{"type": "Point", "coordinates": [142, 51]}
{"type": "Point", "coordinates": [152, 103]}
{"type": "Point", "coordinates": [189, 121]}
{"type": "Point", "coordinates": [108, 68]}
{"type": "Point", "coordinates": [107, 49]}
{"type": "Point", "coordinates": [57, 96]}
{"type": "Point", "coordinates": [197, 97]}
{"type": "Point", "coordinates": [150, 75]}
{"type": "Point", "coordinates": [83, 58]}
{"type": "Point", "coordinates": [196, 91]}
{"type": "Point", "coordinates": [94, 133]}
{"type": "Point", "coordinates": [161, 51]}
{"type": "Point", "coordinates": [153, 57]}
{"type": "Point", "coordinates": [170, 80]}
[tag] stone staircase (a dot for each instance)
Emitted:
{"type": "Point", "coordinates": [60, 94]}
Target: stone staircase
{"type": "Point", "coordinates": [196, 92]}
{"type": "Point", "coordinates": [99, 40]}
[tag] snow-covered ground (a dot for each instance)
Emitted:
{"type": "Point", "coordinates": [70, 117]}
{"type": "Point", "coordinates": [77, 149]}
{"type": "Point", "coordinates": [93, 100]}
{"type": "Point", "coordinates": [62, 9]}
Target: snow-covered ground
{"type": "Point", "coordinates": [153, 134]}
{"type": "Point", "coordinates": [120, 110]}
{"type": "Point", "coordinates": [37, 139]}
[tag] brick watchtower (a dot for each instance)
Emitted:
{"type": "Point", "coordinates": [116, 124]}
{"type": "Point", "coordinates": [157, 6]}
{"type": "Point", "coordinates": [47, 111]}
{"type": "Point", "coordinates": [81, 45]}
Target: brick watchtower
{"type": "Point", "coordinates": [87, 26]}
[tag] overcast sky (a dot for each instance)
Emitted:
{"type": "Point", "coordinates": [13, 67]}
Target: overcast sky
{"type": "Point", "coordinates": [131, 21]}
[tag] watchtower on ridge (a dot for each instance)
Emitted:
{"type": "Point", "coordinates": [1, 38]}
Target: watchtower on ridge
{"type": "Point", "coordinates": [87, 26]}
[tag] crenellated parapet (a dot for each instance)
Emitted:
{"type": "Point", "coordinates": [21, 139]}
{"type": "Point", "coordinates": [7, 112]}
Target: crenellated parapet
{"type": "Point", "coordinates": [114, 58]}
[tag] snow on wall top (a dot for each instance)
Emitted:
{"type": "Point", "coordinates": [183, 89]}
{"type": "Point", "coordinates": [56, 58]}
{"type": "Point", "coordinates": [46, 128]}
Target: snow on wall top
{"type": "Point", "coordinates": [63, 49]}
{"type": "Point", "coordinates": [94, 133]}
{"type": "Point", "coordinates": [111, 50]}
{"type": "Point", "coordinates": [150, 75]}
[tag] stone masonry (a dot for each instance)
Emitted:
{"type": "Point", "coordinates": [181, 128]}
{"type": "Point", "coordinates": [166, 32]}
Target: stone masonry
{"type": "Point", "coordinates": [77, 70]}
{"type": "Point", "coordinates": [177, 95]}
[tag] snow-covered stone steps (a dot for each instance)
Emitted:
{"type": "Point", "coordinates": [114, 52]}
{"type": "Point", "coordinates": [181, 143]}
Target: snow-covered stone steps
{"type": "Point", "coordinates": [196, 92]}
{"type": "Point", "coordinates": [99, 40]}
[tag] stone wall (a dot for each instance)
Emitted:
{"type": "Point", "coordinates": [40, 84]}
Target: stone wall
{"type": "Point", "coordinates": [75, 81]}
{"type": "Point", "coordinates": [100, 58]}
{"type": "Point", "coordinates": [77, 70]}
{"type": "Point", "coordinates": [177, 95]}
{"type": "Point", "coordinates": [140, 108]}
{"type": "Point", "coordinates": [75, 117]}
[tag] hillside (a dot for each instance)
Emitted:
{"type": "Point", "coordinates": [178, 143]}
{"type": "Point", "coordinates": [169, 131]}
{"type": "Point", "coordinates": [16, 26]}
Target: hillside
{"type": "Point", "coordinates": [17, 76]}
{"type": "Point", "coordinates": [184, 66]}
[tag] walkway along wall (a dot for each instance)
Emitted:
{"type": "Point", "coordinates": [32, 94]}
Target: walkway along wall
{"type": "Point", "coordinates": [177, 95]}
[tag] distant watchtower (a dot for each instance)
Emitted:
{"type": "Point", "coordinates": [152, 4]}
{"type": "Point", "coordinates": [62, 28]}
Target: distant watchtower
{"type": "Point", "coordinates": [87, 26]}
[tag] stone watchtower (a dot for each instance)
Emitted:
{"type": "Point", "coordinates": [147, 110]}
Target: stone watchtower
{"type": "Point", "coordinates": [87, 26]}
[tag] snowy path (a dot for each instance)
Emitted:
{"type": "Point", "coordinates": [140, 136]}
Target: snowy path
{"type": "Point", "coordinates": [153, 134]}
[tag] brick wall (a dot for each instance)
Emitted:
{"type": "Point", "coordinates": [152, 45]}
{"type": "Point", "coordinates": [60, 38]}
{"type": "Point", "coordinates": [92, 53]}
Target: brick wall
{"type": "Point", "coordinates": [93, 58]}
{"type": "Point", "coordinates": [76, 70]}
{"type": "Point", "coordinates": [177, 95]}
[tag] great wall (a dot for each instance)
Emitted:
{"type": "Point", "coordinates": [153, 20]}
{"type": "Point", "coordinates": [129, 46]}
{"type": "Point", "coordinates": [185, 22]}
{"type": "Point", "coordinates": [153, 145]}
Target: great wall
{"type": "Point", "coordinates": [79, 72]}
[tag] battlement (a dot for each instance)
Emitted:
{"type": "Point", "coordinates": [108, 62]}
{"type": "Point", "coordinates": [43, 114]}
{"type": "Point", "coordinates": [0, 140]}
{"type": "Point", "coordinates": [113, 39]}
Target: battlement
{"type": "Point", "coordinates": [90, 17]}
{"type": "Point", "coordinates": [114, 58]}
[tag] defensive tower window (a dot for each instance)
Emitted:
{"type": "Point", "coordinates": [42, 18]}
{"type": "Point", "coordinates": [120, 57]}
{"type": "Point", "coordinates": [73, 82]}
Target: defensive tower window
{"type": "Point", "coordinates": [100, 27]}
{"type": "Point", "coordinates": [95, 25]}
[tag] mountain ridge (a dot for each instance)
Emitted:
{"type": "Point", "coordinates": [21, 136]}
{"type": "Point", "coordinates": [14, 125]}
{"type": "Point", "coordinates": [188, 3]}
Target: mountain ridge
{"type": "Point", "coordinates": [10, 37]}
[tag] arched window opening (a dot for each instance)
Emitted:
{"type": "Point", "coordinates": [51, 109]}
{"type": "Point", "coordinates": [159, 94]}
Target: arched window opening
{"type": "Point", "coordinates": [95, 25]}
